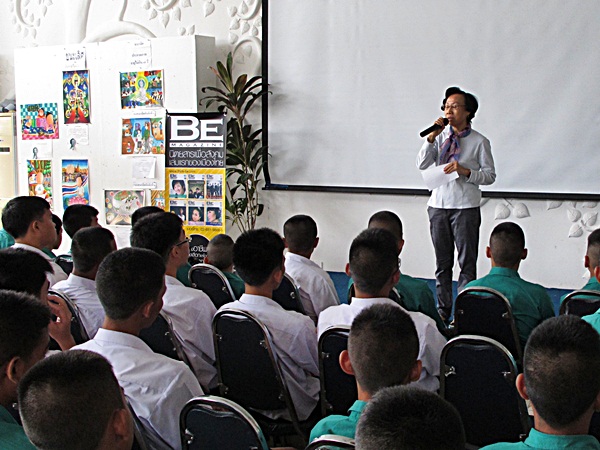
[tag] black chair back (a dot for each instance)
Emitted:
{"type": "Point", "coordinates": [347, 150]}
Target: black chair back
{"type": "Point", "coordinates": [78, 331]}
{"type": "Point", "coordinates": [215, 422]}
{"type": "Point", "coordinates": [288, 296]}
{"type": "Point", "coordinates": [580, 303]}
{"type": "Point", "coordinates": [338, 389]}
{"type": "Point", "coordinates": [160, 338]}
{"type": "Point", "coordinates": [486, 312]}
{"type": "Point", "coordinates": [65, 262]}
{"type": "Point", "coordinates": [478, 378]}
{"type": "Point", "coordinates": [212, 282]}
{"type": "Point", "coordinates": [328, 441]}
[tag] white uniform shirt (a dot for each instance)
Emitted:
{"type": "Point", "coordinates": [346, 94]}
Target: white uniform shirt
{"type": "Point", "coordinates": [431, 341]}
{"type": "Point", "coordinates": [191, 312]}
{"type": "Point", "coordinates": [295, 341]}
{"type": "Point", "coordinates": [317, 291]}
{"type": "Point", "coordinates": [58, 274]}
{"type": "Point", "coordinates": [156, 386]}
{"type": "Point", "coordinates": [83, 293]}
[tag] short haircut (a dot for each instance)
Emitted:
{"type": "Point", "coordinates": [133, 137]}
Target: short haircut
{"type": "Point", "coordinates": [127, 279]}
{"type": "Point", "coordinates": [300, 232]}
{"type": "Point", "coordinates": [20, 212]}
{"type": "Point", "coordinates": [77, 217]}
{"type": "Point", "coordinates": [180, 182]}
{"type": "Point", "coordinates": [67, 400]}
{"type": "Point", "coordinates": [256, 254]}
{"type": "Point", "coordinates": [220, 251]}
{"type": "Point", "coordinates": [142, 212]}
{"type": "Point", "coordinates": [507, 243]}
{"type": "Point", "coordinates": [471, 103]}
{"type": "Point", "coordinates": [409, 418]}
{"type": "Point", "coordinates": [389, 221]}
{"type": "Point", "coordinates": [373, 259]}
{"type": "Point", "coordinates": [561, 366]}
{"type": "Point", "coordinates": [57, 223]}
{"type": "Point", "coordinates": [23, 270]}
{"type": "Point", "coordinates": [90, 246]}
{"type": "Point", "coordinates": [158, 232]}
{"type": "Point", "coordinates": [383, 347]}
{"type": "Point", "coordinates": [22, 323]}
{"type": "Point", "coordinates": [593, 248]}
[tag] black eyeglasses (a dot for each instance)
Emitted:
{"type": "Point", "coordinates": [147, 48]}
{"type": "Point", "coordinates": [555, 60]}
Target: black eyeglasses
{"type": "Point", "coordinates": [185, 241]}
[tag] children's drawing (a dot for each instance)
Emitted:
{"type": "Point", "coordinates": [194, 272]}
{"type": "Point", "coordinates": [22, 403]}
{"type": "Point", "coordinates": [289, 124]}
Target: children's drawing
{"type": "Point", "coordinates": [139, 89]}
{"type": "Point", "coordinates": [75, 182]}
{"type": "Point", "coordinates": [143, 135]}
{"type": "Point", "coordinates": [120, 205]}
{"type": "Point", "coordinates": [76, 96]}
{"type": "Point", "coordinates": [39, 178]}
{"type": "Point", "coordinates": [38, 121]}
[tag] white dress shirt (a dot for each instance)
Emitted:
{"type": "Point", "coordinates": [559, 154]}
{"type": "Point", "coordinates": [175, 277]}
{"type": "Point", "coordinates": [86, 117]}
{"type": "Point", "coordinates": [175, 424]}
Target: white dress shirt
{"type": "Point", "coordinates": [431, 341]}
{"type": "Point", "coordinates": [317, 291]}
{"type": "Point", "coordinates": [191, 312]}
{"type": "Point", "coordinates": [83, 293]}
{"type": "Point", "coordinates": [58, 274]}
{"type": "Point", "coordinates": [156, 386]}
{"type": "Point", "coordinates": [295, 341]}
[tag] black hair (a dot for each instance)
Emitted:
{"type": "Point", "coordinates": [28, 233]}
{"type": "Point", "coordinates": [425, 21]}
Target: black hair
{"type": "Point", "coordinates": [158, 232]}
{"type": "Point", "coordinates": [409, 418]}
{"type": "Point", "coordinates": [256, 254]}
{"type": "Point", "coordinates": [300, 232]}
{"type": "Point", "coordinates": [57, 223]}
{"type": "Point", "coordinates": [471, 103]}
{"type": "Point", "coordinates": [220, 251]}
{"type": "Point", "coordinates": [90, 246]}
{"type": "Point", "coordinates": [181, 182]}
{"type": "Point", "coordinates": [383, 347]}
{"type": "Point", "coordinates": [77, 217]}
{"type": "Point", "coordinates": [593, 248]}
{"type": "Point", "coordinates": [20, 212]}
{"type": "Point", "coordinates": [144, 211]}
{"type": "Point", "coordinates": [373, 259]}
{"type": "Point", "coordinates": [23, 271]}
{"type": "Point", "coordinates": [561, 366]}
{"type": "Point", "coordinates": [127, 279]}
{"type": "Point", "coordinates": [389, 221]}
{"type": "Point", "coordinates": [507, 243]}
{"type": "Point", "coordinates": [67, 400]}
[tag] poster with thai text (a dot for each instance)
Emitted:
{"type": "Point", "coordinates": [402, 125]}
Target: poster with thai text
{"type": "Point", "coordinates": [75, 182]}
{"type": "Point", "coordinates": [39, 121]}
{"type": "Point", "coordinates": [76, 96]}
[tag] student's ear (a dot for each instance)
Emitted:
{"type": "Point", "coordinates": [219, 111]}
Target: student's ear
{"type": "Point", "coordinates": [586, 262]}
{"type": "Point", "coordinates": [15, 369]}
{"type": "Point", "coordinates": [488, 252]}
{"type": "Point", "coordinates": [400, 245]}
{"type": "Point", "coordinates": [285, 243]}
{"type": "Point", "coordinates": [524, 254]}
{"type": "Point", "coordinates": [147, 309]}
{"type": "Point", "coordinates": [345, 363]}
{"type": "Point", "coordinates": [415, 372]}
{"type": "Point", "coordinates": [316, 242]}
{"type": "Point", "coordinates": [121, 427]}
{"type": "Point", "coordinates": [597, 272]}
{"type": "Point", "coordinates": [396, 277]}
{"type": "Point", "coordinates": [348, 270]}
{"type": "Point", "coordinates": [520, 383]}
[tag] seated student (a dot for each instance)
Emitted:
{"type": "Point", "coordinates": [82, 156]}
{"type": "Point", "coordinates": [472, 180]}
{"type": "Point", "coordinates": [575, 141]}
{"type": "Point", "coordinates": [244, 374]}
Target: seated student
{"type": "Point", "coordinates": [258, 259]}
{"type": "Point", "coordinates": [72, 401]}
{"type": "Point", "coordinates": [29, 221]}
{"type": "Point", "coordinates": [317, 291]}
{"type": "Point", "coordinates": [25, 271]}
{"type": "Point", "coordinates": [77, 217]}
{"type": "Point", "coordinates": [406, 418]}
{"type": "Point", "coordinates": [6, 240]}
{"type": "Point", "coordinates": [58, 225]}
{"type": "Point", "coordinates": [561, 378]}
{"type": "Point", "coordinates": [130, 285]}
{"type": "Point", "coordinates": [530, 302]}
{"type": "Point", "coordinates": [183, 271]}
{"type": "Point", "coordinates": [382, 351]}
{"type": "Point", "coordinates": [190, 310]}
{"type": "Point", "coordinates": [23, 342]}
{"type": "Point", "coordinates": [219, 253]}
{"type": "Point", "coordinates": [592, 257]}
{"type": "Point", "coordinates": [374, 267]}
{"type": "Point", "coordinates": [88, 248]}
{"type": "Point", "coordinates": [415, 294]}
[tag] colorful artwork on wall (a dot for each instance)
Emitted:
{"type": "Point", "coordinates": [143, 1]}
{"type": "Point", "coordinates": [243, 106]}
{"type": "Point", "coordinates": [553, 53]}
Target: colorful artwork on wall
{"type": "Point", "coordinates": [76, 96]}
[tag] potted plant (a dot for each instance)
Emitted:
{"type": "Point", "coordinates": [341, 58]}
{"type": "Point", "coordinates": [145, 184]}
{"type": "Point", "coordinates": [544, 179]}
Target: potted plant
{"type": "Point", "coordinates": [246, 156]}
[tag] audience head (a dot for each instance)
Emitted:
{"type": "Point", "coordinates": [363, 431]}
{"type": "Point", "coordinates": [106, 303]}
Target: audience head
{"type": "Point", "coordinates": [77, 217]}
{"type": "Point", "coordinates": [409, 418]}
{"type": "Point", "coordinates": [471, 103]}
{"type": "Point", "coordinates": [89, 247]}
{"type": "Point", "coordinates": [300, 233]}
{"type": "Point", "coordinates": [72, 401]}
{"type": "Point", "coordinates": [507, 245]}
{"type": "Point", "coordinates": [131, 280]}
{"type": "Point", "coordinates": [219, 252]}
{"type": "Point", "coordinates": [257, 254]}
{"type": "Point", "coordinates": [23, 338]}
{"type": "Point", "coordinates": [58, 226]}
{"type": "Point", "coordinates": [561, 370]}
{"type": "Point", "coordinates": [24, 271]}
{"type": "Point", "coordinates": [29, 218]}
{"type": "Point", "coordinates": [382, 348]}
{"type": "Point", "coordinates": [373, 261]}
{"type": "Point", "coordinates": [144, 211]}
{"type": "Point", "coordinates": [592, 256]}
{"type": "Point", "coordinates": [162, 233]}
{"type": "Point", "coordinates": [388, 221]}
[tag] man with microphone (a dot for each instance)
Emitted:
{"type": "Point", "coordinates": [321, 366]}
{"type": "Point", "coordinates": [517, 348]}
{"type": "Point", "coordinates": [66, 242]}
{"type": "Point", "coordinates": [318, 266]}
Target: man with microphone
{"type": "Point", "coordinates": [453, 208]}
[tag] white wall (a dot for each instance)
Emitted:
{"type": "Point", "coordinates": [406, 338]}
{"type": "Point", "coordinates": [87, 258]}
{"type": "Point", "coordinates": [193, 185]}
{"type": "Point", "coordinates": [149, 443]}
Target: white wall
{"type": "Point", "coordinates": [556, 260]}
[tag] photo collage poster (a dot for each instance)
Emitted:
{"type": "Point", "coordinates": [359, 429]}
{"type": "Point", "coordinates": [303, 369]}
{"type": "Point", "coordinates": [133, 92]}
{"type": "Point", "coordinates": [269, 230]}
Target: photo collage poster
{"type": "Point", "coordinates": [39, 121]}
{"type": "Point", "coordinates": [76, 96]}
{"type": "Point", "coordinates": [39, 178]}
{"type": "Point", "coordinates": [121, 204]}
{"type": "Point", "coordinates": [75, 182]}
{"type": "Point", "coordinates": [194, 197]}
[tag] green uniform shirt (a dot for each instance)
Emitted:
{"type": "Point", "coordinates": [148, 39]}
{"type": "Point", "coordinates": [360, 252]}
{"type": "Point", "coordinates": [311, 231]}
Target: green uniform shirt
{"type": "Point", "coordinates": [182, 274]}
{"type": "Point", "coordinates": [236, 283]}
{"type": "Point", "coordinates": [591, 285]}
{"type": "Point", "coordinates": [542, 441]}
{"type": "Point", "coordinates": [12, 436]}
{"type": "Point", "coordinates": [340, 425]}
{"type": "Point", "coordinates": [6, 240]}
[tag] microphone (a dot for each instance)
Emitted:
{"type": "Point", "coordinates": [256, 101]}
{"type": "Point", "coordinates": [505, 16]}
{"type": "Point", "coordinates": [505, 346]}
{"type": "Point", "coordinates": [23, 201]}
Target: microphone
{"type": "Point", "coordinates": [433, 127]}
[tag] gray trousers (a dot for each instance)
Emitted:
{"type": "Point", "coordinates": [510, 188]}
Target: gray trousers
{"type": "Point", "coordinates": [450, 227]}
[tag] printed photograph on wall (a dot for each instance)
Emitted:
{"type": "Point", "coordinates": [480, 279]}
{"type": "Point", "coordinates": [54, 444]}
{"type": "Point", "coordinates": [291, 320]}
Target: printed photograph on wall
{"type": "Point", "coordinates": [142, 136]}
{"type": "Point", "coordinates": [178, 187]}
{"type": "Point", "coordinates": [214, 213]}
{"type": "Point", "coordinates": [75, 182]}
{"type": "Point", "coordinates": [76, 96]}
{"type": "Point", "coordinates": [140, 89]}
{"type": "Point", "coordinates": [120, 205]}
{"type": "Point", "coordinates": [39, 121]}
{"type": "Point", "coordinates": [179, 207]}
{"type": "Point", "coordinates": [39, 178]}
{"type": "Point", "coordinates": [214, 186]}
{"type": "Point", "coordinates": [196, 185]}
{"type": "Point", "coordinates": [195, 212]}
